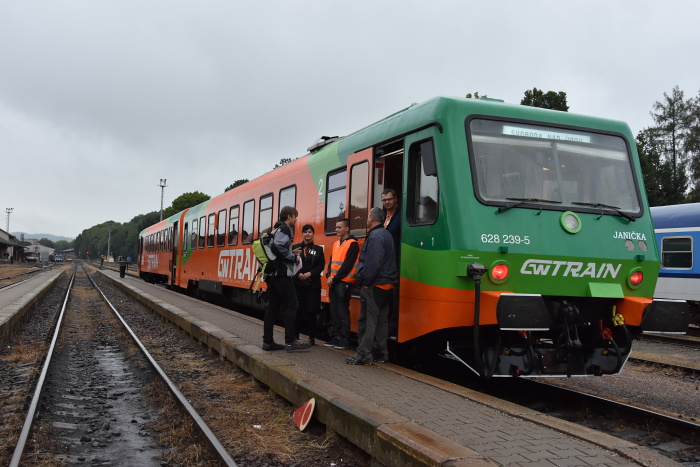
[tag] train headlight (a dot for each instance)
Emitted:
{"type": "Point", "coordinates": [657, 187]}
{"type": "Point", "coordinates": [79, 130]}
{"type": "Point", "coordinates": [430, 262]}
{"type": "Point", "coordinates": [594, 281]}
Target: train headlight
{"type": "Point", "coordinates": [635, 278]}
{"type": "Point", "coordinates": [570, 222]}
{"type": "Point", "coordinates": [498, 272]}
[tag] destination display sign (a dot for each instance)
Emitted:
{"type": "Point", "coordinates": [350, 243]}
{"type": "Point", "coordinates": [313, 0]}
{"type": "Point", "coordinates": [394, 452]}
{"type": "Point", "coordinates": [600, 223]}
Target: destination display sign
{"type": "Point", "coordinates": [544, 134]}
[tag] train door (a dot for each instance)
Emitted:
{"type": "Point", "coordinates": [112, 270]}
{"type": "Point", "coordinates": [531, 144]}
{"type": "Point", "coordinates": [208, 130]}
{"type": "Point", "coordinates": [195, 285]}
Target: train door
{"type": "Point", "coordinates": [174, 237]}
{"type": "Point", "coordinates": [388, 194]}
{"type": "Point", "coordinates": [420, 230]}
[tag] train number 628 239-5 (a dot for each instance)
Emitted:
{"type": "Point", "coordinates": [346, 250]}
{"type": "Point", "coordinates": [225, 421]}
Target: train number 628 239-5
{"type": "Point", "coordinates": [511, 239]}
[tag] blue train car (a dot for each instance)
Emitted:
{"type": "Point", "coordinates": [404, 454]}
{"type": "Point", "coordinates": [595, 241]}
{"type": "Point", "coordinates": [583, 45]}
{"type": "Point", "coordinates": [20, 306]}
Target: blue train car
{"type": "Point", "coordinates": [677, 231]}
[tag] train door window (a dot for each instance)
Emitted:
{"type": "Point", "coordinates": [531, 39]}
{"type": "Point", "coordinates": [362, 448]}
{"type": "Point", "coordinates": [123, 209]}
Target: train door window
{"type": "Point", "coordinates": [288, 197]}
{"type": "Point", "coordinates": [193, 238]}
{"type": "Point", "coordinates": [221, 229]}
{"type": "Point", "coordinates": [233, 226]}
{"type": "Point", "coordinates": [359, 199]}
{"type": "Point", "coordinates": [677, 253]}
{"type": "Point", "coordinates": [265, 216]}
{"type": "Point", "coordinates": [185, 240]}
{"type": "Point", "coordinates": [211, 230]}
{"type": "Point", "coordinates": [202, 231]}
{"type": "Point", "coordinates": [335, 199]}
{"type": "Point", "coordinates": [248, 214]}
{"type": "Point", "coordinates": [422, 200]}
{"type": "Point", "coordinates": [388, 169]}
{"type": "Point", "coordinates": [173, 235]}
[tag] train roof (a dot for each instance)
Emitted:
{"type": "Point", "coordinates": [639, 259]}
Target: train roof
{"type": "Point", "coordinates": [676, 216]}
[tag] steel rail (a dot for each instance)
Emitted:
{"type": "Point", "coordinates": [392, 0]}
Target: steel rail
{"type": "Point", "coordinates": [201, 424]}
{"type": "Point", "coordinates": [674, 424]}
{"type": "Point", "coordinates": [26, 427]}
{"type": "Point", "coordinates": [20, 274]}
{"type": "Point", "coordinates": [15, 284]}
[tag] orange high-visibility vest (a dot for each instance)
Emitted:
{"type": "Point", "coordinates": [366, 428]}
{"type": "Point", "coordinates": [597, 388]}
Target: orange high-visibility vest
{"type": "Point", "coordinates": [338, 257]}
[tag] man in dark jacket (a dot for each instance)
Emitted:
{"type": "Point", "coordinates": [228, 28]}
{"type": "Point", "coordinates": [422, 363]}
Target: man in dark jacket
{"type": "Point", "coordinates": [376, 274]}
{"type": "Point", "coordinates": [280, 286]}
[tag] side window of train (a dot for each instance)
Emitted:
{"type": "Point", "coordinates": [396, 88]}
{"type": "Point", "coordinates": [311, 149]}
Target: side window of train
{"type": "Point", "coordinates": [677, 253]}
{"type": "Point", "coordinates": [233, 226]}
{"type": "Point", "coordinates": [265, 216]}
{"type": "Point", "coordinates": [288, 197]}
{"type": "Point", "coordinates": [248, 214]}
{"type": "Point", "coordinates": [335, 199]}
{"type": "Point", "coordinates": [210, 230]}
{"type": "Point", "coordinates": [202, 231]}
{"type": "Point", "coordinates": [221, 229]}
{"type": "Point", "coordinates": [185, 239]}
{"type": "Point", "coordinates": [193, 238]}
{"type": "Point", "coordinates": [359, 199]}
{"type": "Point", "coordinates": [422, 199]}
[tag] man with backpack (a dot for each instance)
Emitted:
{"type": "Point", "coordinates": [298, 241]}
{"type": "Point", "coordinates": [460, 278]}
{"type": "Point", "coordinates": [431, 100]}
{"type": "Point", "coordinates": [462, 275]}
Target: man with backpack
{"type": "Point", "coordinates": [280, 286]}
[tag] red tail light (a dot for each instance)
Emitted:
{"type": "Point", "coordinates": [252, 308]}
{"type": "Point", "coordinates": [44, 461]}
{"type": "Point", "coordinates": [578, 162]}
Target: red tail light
{"type": "Point", "coordinates": [499, 272]}
{"type": "Point", "coordinates": [636, 278]}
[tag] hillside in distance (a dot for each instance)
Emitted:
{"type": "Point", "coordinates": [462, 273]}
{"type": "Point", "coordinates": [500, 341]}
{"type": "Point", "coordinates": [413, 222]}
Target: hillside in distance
{"type": "Point", "coordinates": [39, 236]}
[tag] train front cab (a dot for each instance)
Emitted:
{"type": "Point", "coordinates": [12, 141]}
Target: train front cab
{"type": "Point", "coordinates": [539, 327]}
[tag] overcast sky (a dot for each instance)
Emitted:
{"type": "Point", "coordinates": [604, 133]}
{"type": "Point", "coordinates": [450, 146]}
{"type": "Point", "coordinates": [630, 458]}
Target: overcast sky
{"type": "Point", "coordinates": [99, 100]}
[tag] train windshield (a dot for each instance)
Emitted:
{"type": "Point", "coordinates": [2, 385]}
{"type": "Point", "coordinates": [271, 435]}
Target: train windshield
{"type": "Point", "coordinates": [555, 168]}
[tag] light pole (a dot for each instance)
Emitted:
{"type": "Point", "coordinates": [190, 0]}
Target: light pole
{"type": "Point", "coordinates": [162, 186]}
{"type": "Point", "coordinates": [8, 211]}
{"type": "Point", "coordinates": [109, 239]}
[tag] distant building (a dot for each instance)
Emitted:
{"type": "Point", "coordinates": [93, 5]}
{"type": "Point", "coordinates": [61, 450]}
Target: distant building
{"type": "Point", "coordinates": [8, 247]}
{"type": "Point", "coordinates": [42, 252]}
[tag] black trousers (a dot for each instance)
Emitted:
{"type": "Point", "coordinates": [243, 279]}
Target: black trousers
{"type": "Point", "coordinates": [309, 308]}
{"type": "Point", "coordinates": [282, 296]}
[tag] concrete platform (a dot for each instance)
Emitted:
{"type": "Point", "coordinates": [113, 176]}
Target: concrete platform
{"type": "Point", "coordinates": [398, 416]}
{"type": "Point", "coordinates": [17, 300]}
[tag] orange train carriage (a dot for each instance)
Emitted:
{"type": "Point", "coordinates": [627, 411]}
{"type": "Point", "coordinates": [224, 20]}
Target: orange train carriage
{"type": "Point", "coordinates": [516, 250]}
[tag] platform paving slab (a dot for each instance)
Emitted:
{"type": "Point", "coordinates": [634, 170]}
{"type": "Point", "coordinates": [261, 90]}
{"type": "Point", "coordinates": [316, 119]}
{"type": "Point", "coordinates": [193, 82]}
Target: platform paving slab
{"type": "Point", "coordinates": [398, 416]}
{"type": "Point", "coordinates": [16, 301]}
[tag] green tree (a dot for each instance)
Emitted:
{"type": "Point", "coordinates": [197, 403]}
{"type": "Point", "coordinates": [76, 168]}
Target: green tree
{"type": "Point", "coordinates": [187, 200]}
{"type": "Point", "coordinates": [550, 100]}
{"type": "Point", "coordinates": [658, 173]}
{"type": "Point", "coordinates": [475, 95]}
{"type": "Point", "coordinates": [672, 117]}
{"type": "Point", "coordinates": [47, 243]}
{"type": "Point", "coordinates": [283, 161]}
{"type": "Point", "coordinates": [238, 182]}
{"type": "Point", "coordinates": [61, 245]}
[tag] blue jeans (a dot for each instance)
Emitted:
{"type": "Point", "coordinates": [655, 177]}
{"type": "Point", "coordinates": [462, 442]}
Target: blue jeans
{"type": "Point", "coordinates": [372, 325]}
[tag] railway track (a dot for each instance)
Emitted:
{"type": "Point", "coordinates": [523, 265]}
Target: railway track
{"type": "Point", "coordinates": [91, 415]}
{"type": "Point", "coordinates": [16, 279]}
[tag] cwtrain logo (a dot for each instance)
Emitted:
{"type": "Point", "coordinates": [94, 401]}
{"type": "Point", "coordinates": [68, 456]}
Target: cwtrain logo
{"type": "Point", "coordinates": [543, 267]}
{"type": "Point", "coordinates": [236, 264]}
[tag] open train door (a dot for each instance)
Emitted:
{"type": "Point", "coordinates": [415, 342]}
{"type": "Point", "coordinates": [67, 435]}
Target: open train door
{"type": "Point", "coordinates": [359, 182]}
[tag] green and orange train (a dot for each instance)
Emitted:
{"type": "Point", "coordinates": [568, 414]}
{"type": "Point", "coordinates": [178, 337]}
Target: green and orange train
{"type": "Point", "coordinates": [527, 247]}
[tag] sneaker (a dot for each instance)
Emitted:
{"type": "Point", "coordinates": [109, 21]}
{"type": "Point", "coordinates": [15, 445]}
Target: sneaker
{"type": "Point", "coordinates": [297, 345]}
{"type": "Point", "coordinates": [353, 361]}
{"type": "Point", "coordinates": [332, 342]}
{"type": "Point", "coordinates": [272, 346]}
{"type": "Point", "coordinates": [380, 359]}
{"type": "Point", "coordinates": [341, 343]}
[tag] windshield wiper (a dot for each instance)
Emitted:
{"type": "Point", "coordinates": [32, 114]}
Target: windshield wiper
{"type": "Point", "coordinates": [521, 201]}
{"type": "Point", "coordinates": [607, 206]}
